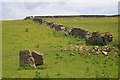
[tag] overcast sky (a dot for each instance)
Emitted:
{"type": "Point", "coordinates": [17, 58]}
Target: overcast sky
{"type": "Point", "coordinates": [18, 9]}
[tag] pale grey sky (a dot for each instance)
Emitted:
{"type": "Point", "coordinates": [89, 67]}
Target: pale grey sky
{"type": "Point", "coordinates": [18, 9]}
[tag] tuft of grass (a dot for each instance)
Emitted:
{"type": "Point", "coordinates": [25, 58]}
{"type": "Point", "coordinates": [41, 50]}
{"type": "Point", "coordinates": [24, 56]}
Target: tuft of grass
{"type": "Point", "coordinates": [42, 67]}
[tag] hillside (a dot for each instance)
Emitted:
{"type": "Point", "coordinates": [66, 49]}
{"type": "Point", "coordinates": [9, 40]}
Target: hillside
{"type": "Point", "coordinates": [60, 62]}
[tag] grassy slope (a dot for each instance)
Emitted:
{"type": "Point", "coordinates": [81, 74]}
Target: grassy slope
{"type": "Point", "coordinates": [50, 43]}
{"type": "Point", "coordinates": [91, 24]}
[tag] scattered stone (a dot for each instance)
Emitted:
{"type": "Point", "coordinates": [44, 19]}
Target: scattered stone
{"type": "Point", "coordinates": [96, 48]}
{"type": "Point", "coordinates": [105, 53]}
{"type": "Point", "coordinates": [106, 50]}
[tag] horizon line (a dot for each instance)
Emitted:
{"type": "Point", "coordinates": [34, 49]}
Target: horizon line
{"type": "Point", "coordinates": [72, 15]}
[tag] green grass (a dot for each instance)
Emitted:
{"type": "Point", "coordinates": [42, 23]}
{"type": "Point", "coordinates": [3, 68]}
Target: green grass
{"type": "Point", "coordinates": [58, 63]}
{"type": "Point", "coordinates": [91, 24]}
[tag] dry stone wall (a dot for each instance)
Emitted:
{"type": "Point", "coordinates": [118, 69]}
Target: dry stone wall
{"type": "Point", "coordinates": [93, 38]}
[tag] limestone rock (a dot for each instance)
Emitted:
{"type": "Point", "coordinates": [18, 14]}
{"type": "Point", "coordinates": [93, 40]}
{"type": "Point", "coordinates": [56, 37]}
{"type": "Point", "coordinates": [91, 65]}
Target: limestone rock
{"type": "Point", "coordinates": [26, 58]}
{"type": "Point", "coordinates": [106, 50]}
{"type": "Point", "coordinates": [78, 32]}
{"type": "Point", "coordinates": [38, 58]}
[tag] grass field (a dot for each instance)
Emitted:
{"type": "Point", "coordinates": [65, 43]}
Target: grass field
{"type": "Point", "coordinates": [58, 62]}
